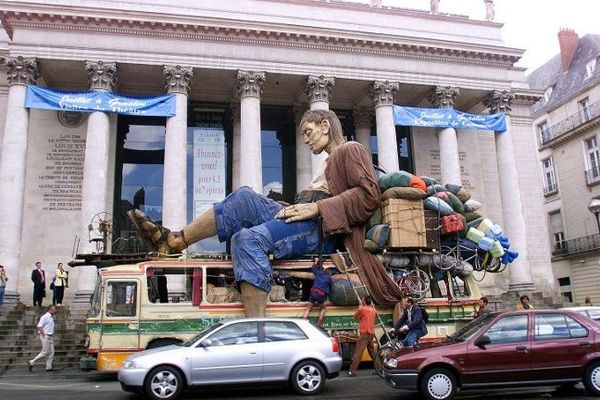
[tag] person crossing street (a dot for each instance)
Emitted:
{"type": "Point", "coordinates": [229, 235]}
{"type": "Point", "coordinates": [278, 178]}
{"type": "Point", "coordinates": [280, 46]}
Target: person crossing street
{"type": "Point", "coordinates": [46, 330]}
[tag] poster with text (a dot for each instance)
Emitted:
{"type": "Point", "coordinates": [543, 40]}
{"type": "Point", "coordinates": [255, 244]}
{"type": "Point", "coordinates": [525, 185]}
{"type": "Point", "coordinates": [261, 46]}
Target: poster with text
{"type": "Point", "coordinates": [209, 176]}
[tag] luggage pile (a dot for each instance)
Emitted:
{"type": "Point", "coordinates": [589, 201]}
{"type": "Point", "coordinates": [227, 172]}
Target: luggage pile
{"type": "Point", "coordinates": [420, 213]}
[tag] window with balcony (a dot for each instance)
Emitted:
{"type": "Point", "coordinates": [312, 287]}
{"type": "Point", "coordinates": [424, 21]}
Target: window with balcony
{"type": "Point", "coordinates": [593, 160]}
{"type": "Point", "coordinates": [550, 185]}
{"type": "Point", "coordinates": [544, 132]}
{"type": "Point", "coordinates": [585, 110]}
{"type": "Point", "coordinates": [589, 68]}
{"type": "Point", "coordinates": [557, 232]}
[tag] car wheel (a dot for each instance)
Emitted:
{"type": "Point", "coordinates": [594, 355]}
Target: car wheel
{"type": "Point", "coordinates": [438, 384]}
{"type": "Point", "coordinates": [591, 380]}
{"type": "Point", "coordinates": [308, 377]}
{"type": "Point", "coordinates": [163, 383]}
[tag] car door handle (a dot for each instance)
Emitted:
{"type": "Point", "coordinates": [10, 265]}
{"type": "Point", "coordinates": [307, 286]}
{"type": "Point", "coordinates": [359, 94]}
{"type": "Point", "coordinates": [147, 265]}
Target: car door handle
{"type": "Point", "coordinates": [584, 344]}
{"type": "Point", "coordinates": [521, 348]}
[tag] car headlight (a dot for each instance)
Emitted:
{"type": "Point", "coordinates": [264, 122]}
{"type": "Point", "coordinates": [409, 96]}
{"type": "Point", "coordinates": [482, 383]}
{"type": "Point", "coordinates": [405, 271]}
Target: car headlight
{"type": "Point", "coordinates": [129, 364]}
{"type": "Point", "coordinates": [391, 363]}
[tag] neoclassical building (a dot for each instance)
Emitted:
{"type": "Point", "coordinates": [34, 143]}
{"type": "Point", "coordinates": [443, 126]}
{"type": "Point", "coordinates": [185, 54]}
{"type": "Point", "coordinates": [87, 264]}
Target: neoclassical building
{"type": "Point", "coordinates": [242, 73]}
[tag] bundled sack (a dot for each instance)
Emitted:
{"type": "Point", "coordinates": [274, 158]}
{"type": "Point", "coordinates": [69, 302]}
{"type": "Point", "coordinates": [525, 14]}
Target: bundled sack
{"type": "Point", "coordinates": [429, 181]}
{"type": "Point", "coordinates": [433, 189]}
{"type": "Point", "coordinates": [463, 194]}
{"type": "Point", "coordinates": [418, 183]}
{"type": "Point", "coordinates": [375, 218]}
{"type": "Point", "coordinates": [452, 223]}
{"type": "Point", "coordinates": [379, 234]}
{"type": "Point", "coordinates": [472, 205]}
{"type": "Point", "coordinates": [442, 195]}
{"type": "Point", "coordinates": [486, 243]}
{"type": "Point", "coordinates": [437, 205]}
{"type": "Point", "coordinates": [475, 235]}
{"type": "Point", "coordinates": [472, 216]}
{"type": "Point", "coordinates": [455, 203]}
{"type": "Point", "coordinates": [277, 294]}
{"type": "Point", "coordinates": [406, 193]}
{"type": "Point", "coordinates": [497, 251]}
{"type": "Point", "coordinates": [509, 256]}
{"type": "Point", "coordinates": [453, 187]}
{"type": "Point", "coordinates": [494, 232]}
{"type": "Point", "coordinates": [342, 293]}
{"type": "Point", "coordinates": [395, 179]}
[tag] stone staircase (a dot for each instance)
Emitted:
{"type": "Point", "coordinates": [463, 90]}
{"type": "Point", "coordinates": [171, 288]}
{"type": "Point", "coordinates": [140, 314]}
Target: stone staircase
{"type": "Point", "coordinates": [19, 340]}
{"type": "Point", "coordinates": [508, 301]}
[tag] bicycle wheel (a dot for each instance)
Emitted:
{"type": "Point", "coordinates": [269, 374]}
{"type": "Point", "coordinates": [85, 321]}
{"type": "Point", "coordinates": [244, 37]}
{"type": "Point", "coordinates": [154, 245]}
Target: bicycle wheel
{"type": "Point", "coordinates": [446, 259]}
{"type": "Point", "coordinates": [479, 274]}
{"type": "Point", "coordinates": [414, 284]}
{"type": "Point", "coordinates": [385, 353]}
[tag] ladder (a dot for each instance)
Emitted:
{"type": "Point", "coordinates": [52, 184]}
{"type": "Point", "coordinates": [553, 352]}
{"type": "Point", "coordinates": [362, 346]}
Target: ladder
{"type": "Point", "coordinates": [354, 268]}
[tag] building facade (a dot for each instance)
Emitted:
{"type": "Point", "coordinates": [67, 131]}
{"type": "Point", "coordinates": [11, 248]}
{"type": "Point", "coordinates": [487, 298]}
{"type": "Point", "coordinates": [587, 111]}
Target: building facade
{"type": "Point", "coordinates": [566, 126]}
{"type": "Point", "coordinates": [242, 73]}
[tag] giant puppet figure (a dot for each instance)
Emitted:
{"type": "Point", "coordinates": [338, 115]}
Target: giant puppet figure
{"type": "Point", "coordinates": [344, 194]}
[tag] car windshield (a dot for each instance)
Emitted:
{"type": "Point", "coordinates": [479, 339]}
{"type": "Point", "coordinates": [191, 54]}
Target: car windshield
{"type": "Point", "coordinates": [193, 340]}
{"type": "Point", "coordinates": [467, 331]}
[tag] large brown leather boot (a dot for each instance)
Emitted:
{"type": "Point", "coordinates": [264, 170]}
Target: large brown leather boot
{"type": "Point", "coordinates": [254, 299]}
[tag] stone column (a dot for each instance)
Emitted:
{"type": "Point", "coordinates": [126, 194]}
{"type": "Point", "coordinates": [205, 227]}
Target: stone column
{"type": "Point", "coordinates": [362, 126]}
{"type": "Point", "coordinates": [443, 97]}
{"type": "Point", "coordinates": [102, 76]}
{"type": "Point", "coordinates": [177, 81]}
{"type": "Point", "coordinates": [318, 93]}
{"type": "Point", "coordinates": [382, 94]}
{"type": "Point", "coordinates": [249, 87]}
{"type": "Point", "coordinates": [303, 154]}
{"type": "Point", "coordinates": [510, 194]}
{"type": "Point", "coordinates": [21, 72]}
{"type": "Point", "coordinates": [237, 128]}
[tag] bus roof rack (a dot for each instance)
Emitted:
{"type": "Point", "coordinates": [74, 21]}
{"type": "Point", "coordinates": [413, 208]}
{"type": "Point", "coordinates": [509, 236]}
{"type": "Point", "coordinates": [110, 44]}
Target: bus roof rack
{"type": "Point", "coordinates": [109, 260]}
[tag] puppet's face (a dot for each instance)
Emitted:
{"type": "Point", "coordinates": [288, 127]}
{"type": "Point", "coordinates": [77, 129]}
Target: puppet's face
{"type": "Point", "coordinates": [316, 136]}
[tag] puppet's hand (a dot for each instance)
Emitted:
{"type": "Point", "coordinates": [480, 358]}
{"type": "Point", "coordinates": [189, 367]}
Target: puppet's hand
{"type": "Point", "coordinates": [298, 212]}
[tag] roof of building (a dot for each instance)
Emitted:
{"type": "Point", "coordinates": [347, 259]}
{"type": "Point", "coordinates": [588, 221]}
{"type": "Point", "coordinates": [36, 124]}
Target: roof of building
{"type": "Point", "coordinates": [566, 84]}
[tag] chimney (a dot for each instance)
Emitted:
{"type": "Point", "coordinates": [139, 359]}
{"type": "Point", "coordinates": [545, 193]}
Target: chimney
{"type": "Point", "coordinates": [567, 39]}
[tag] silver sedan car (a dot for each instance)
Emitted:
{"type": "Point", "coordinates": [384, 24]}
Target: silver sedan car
{"type": "Point", "coordinates": [251, 350]}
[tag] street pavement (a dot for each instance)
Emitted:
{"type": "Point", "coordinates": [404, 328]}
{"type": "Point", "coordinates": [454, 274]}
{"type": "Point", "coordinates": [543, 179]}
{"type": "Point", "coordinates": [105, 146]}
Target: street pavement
{"type": "Point", "coordinates": [72, 384]}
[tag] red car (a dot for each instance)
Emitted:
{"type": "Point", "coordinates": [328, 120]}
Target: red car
{"type": "Point", "coordinates": [518, 348]}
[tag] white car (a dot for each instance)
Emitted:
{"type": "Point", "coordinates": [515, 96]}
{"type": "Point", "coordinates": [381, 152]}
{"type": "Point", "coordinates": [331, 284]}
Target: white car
{"type": "Point", "coordinates": [589, 311]}
{"type": "Point", "coordinates": [239, 351]}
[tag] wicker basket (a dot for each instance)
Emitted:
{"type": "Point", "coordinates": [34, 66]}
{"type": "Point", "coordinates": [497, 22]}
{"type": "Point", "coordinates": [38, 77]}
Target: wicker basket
{"type": "Point", "coordinates": [406, 220]}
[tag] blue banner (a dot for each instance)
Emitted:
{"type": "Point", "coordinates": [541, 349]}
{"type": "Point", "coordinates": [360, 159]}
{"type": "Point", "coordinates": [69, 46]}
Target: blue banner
{"type": "Point", "coordinates": [89, 101]}
{"type": "Point", "coordinates": [448, 118]}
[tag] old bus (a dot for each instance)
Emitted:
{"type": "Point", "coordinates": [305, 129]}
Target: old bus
{"type": "Point", "coordinates": [152, 303]}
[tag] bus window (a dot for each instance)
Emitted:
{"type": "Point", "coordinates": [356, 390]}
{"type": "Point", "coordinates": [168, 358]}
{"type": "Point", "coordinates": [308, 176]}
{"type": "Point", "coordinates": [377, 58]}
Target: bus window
{"type": "Point", "coordinates": [170, 285]}
{"type": "Point", "coordinates": [121, 299]}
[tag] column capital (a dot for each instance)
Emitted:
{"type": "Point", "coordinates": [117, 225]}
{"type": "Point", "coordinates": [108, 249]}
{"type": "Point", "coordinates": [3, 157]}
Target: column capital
{"type": "Point", "coordinates": [178, 79]}
{"type": "Point", "coordinates": [250, 83]}
{"type": "Point", "coordinates": [443, 96]}
{"type": "Point", "coordinates": [499, 101]}
{"type": "Point", "coordinates": [362, 118]}
{"type": "Point", "coordinates": [318, 88]}
{"type": "Point", "coordinates": [21, 71]}
{"type": "Point", "coordinates": [101, 75]}
{"type": "Point", "coordinates": [382, 93]}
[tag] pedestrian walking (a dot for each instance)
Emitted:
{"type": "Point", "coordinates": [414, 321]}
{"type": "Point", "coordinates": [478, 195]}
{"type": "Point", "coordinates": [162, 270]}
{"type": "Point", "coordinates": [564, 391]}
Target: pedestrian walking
{"type": "Point", "coordinates": [60, 283]}
{"type": "Point", "coordinates": [366, 330]}
{"type": "Point", "coordinates": [46, 330]}
{"type": "Point", "coordinates": [38, 276]}
{"type": "Point", "coordinates": [524, 303]}
{"type": "Point", "coordinates": [3, 280]}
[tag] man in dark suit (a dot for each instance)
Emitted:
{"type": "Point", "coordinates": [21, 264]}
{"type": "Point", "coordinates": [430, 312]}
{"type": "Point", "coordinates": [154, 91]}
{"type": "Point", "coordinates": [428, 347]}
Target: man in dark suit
{"type": "Point", "coordinates": [411, 323]}
{"type": "Point", "coordinates": [38, 276]}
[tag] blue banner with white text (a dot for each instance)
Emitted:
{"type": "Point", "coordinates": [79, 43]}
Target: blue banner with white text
{"type": "Point", "coordinates": [89, 101]}
{"type": "Point", "coordinates": [448, 118]}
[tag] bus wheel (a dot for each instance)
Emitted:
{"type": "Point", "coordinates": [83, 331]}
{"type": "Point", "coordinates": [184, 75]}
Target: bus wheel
{"type": "Point", "coordinates": [164, 383]}
{"type": "Point", "coordinates": [162, 342]}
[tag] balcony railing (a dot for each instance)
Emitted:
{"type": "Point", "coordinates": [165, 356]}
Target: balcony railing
{"type": "Point", "coordinates": [578, 245]}
{"type": "Point", "coordinates": [592, 176]}
{"type": "Point", "coordinates": [550, 189]}
{"type": "Point", "coordinates": [570, 123]}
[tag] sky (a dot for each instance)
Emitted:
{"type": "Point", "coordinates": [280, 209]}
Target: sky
{"type": "Point", "coordinates": [531, 25]}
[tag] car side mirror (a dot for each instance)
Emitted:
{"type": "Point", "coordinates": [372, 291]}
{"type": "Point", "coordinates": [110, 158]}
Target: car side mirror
{"type": "Point", "coordinates": [206, 343]}
{"type": "Point", "coordinates": [483, 340]}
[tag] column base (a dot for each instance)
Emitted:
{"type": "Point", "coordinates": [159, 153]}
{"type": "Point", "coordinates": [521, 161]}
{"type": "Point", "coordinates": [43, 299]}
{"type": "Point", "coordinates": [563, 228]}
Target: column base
{"type": "Point", "coordinates": [521, 287]}
{"type": "Point", "coordinates": [12, 298]}
{"type": "Point", "coordinates": [82, 299]}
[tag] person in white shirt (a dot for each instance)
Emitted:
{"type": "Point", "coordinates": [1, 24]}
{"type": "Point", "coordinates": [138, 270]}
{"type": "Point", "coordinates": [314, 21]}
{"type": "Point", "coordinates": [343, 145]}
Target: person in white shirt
{"type": "Point", "coordinates": [46, 330]}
